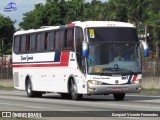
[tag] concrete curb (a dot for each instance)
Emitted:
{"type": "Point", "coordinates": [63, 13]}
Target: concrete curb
{"type": "Point", "coordinates": [151, 82]}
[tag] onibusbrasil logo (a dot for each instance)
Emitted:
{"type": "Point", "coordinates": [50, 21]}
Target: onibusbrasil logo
{"type": "Point", "coordinates": [10, 7]}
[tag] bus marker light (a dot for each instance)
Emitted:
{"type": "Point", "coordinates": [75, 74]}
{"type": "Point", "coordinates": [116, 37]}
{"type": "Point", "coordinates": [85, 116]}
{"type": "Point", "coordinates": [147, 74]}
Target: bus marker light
{"type": "Point", "coordinates": [92, 89]}
{"type": "Point", "coordinates": [95, 82]}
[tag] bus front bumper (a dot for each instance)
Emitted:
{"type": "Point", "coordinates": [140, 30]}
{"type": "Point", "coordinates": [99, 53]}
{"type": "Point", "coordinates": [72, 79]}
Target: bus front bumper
{"type": "Point", "coordinates": [110, 89]}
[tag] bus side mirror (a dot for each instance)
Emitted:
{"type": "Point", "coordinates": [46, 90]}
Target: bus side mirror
{"type": "Point", "coordinates": [145, 47]}
{"type": "Point", "coordinates": [85, 49]}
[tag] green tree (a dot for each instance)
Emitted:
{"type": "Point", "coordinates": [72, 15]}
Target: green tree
{"type": "Point", "coordinates": [34, 19]}
{"type": "Point", "coordinates": [6, 34]}
{"type": "Point", "coordinates": [94, 11]}
{"type": "Point", "coordinates": [134, 11]}
{"type": "Point", "coordinates": [74, 10]}
{"type": "Point", "coordinates": [117, 10]}
{"type": "Point", "coordinates": [153, 21]}
{"type": "Point", "coordinates": [52, 13]}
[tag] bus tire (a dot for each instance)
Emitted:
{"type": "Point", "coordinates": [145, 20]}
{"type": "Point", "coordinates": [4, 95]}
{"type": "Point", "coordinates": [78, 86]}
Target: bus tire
{"type": "Point", "coordinates": [30, 92]}
{"type": "Point", "coordinates": [119, 96]}
{"type": "Point", "coordinates": [73, 91]}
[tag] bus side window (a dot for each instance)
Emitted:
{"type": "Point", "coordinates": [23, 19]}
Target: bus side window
{"type": "Point", "coordinates": [65, 38]}
{"type": "Point", "coordinates": [16, 44]}
{"type": "Point", "coordinates": [70, 38]}
{"type": "Point", "coordinates": [46, 41]}
{"type": "Point", "coordinates": [59, 39]}
{"type": "Point", "coordinates": [56, 40]}
{"type": "Point", "coordinates": [79, 37]}
{"type": "Point", "coordinates": [51, 41]}
{"type": "Point", "coordinates": [40, 42]}
{"type": "Point", "coordinates": [32, 42]}
{"type": "Point", "coordinates": [27, 43]}
{"type": "Point", "coordinates": [23, 44]}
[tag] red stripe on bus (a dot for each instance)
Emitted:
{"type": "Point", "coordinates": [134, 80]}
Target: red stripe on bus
{"type": "Point", "coordinates": [135, 77]}
{"type": "Point", "coordinates": [63, 62]}
{"type": "Point", "coordinates": [71, 25]}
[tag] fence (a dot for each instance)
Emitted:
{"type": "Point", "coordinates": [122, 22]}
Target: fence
{"type": "Point", "coordinates": [6, 67]}
{"type": "Point", "coordinates": [6, 73]}
{"type": "Point", "coordinates": [151, 67]}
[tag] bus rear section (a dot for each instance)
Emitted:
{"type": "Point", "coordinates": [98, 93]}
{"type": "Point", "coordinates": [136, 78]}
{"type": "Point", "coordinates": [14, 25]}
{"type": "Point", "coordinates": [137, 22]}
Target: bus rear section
{"type": "Point", "coordinates": [44, 60]}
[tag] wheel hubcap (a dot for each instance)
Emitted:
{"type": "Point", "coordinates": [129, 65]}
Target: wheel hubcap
{"type": "Point", "coordinates": [29, 88]}
{"type": "Point", "coordinates": [73, 89]}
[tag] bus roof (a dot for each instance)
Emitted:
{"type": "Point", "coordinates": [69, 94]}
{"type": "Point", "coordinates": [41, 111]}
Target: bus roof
{"type": "Point", "coordinates": [103, 24]}
{"type": "Point", "coordinates": [84, 24]}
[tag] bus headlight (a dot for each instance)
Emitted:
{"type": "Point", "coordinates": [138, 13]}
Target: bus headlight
{"type": "Point", "coordinates": [136, 81]}
{"type": "Point", "coordinates": [95, 82]}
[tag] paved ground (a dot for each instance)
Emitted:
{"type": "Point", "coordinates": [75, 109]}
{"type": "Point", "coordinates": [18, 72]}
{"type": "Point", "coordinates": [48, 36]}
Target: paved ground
{"type": "Point", "coordinates": [13, 100]}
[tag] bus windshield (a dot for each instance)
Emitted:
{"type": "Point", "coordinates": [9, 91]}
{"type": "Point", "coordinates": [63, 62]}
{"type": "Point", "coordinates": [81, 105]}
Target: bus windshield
{"type": "Point", "coordinates": [114, 58]}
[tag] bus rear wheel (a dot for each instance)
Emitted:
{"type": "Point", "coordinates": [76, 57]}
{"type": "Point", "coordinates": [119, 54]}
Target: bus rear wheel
{"type": "Point", "coordinates": [30, 92]}
{"type": "Point", "coordinates": [73, 91]}
{"type": "Point", "coordinates": [119, 96]}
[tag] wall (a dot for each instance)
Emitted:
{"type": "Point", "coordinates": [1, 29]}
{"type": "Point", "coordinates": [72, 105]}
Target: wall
{"type": "Point", "coordinates": [151, 82]}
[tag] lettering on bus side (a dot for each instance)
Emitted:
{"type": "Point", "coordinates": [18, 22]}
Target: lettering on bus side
{"type": "Point", "coordinates": [29, 57]}
{"type": "Point", "coordinates": [23, 58]}
{"type": "Point", "coordinates": [26, 58]}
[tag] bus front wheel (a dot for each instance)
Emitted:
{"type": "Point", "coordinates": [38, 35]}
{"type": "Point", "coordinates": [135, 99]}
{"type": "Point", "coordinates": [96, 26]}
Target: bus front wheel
{"type": "Point", "coordinates": [119, 96]}
{"type": "Point", "coordinates": [30, 91]}
{"type": "Point", "coordinates": [73, 91]}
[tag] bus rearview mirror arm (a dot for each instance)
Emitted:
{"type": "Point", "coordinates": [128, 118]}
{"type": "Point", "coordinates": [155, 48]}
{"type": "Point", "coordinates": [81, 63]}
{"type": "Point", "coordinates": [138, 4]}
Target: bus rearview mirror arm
{"type": "Point", "coordinates": [145, 48]}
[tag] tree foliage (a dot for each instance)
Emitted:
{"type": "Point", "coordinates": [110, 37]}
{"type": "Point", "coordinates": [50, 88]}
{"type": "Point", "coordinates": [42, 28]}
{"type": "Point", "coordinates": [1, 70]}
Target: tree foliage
{"type": "Point", "coordinates": [6, 34]}
{"type": "Point", "coordinates": [56, 12]}
{"type": "Point", "coordinates": [153, 21]}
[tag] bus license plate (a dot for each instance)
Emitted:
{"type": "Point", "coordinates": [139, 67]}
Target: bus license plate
{"type": "Point", "coordinates": [116, 89]}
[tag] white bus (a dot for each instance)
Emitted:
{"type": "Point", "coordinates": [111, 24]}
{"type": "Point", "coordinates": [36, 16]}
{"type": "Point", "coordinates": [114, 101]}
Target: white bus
{"type": "Point", "coordinates": [81, 58]}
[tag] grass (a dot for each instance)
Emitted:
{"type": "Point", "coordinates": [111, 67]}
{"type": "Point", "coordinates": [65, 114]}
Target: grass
{"type": "Point", "coordinates": [6, 84]}
{"type": "Point", "coordinates": [6, 88]}
{"type": "Point", "coordinates": [150, 91]}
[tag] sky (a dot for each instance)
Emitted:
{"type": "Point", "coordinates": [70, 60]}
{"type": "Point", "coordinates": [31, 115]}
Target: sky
{"type": "Point", "coordinates": [22, 6]}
